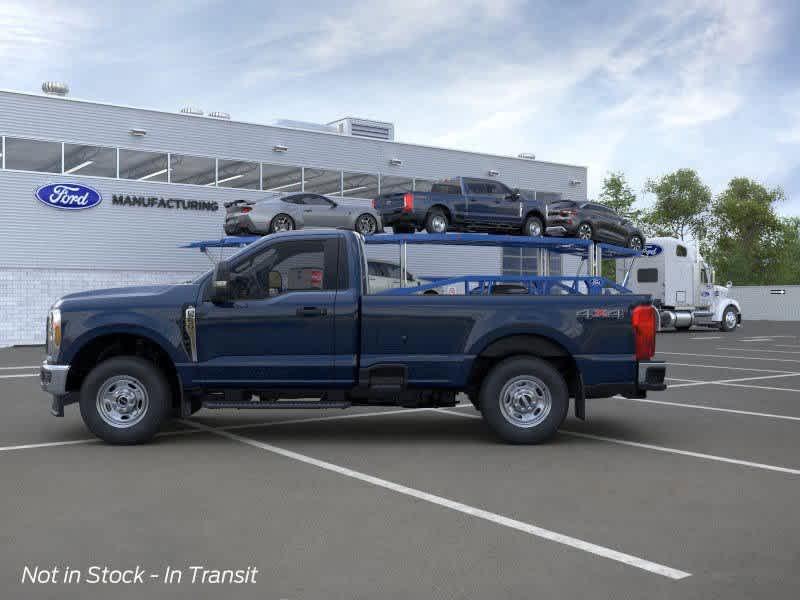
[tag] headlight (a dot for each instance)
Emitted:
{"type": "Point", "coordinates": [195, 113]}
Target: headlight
{"type": "Point", "coordinates": [53, 331]}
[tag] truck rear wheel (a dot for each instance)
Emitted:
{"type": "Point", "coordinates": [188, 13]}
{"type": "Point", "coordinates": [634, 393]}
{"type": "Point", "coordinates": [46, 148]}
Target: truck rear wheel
{"type": "Point", "coordinates": [524, 400]}
{"type": "Point", "coordinates": [125, 400]}
{"type": "Point", "coordinates": [436, 222]}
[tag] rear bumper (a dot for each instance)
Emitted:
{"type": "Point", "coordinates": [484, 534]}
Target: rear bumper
{"type": "Point", "coordinates": [651, 375]}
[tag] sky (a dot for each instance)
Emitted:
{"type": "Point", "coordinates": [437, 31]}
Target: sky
{"type": "Point", "coordinates": [639, 87]}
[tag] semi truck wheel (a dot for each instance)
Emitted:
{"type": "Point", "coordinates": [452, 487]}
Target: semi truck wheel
{"type": "Point", "coordinates": [730, 319]}
{"type": "Point", "coordinates": [524, 400]}
{"type": "Point", "coordinates": [125, 400]}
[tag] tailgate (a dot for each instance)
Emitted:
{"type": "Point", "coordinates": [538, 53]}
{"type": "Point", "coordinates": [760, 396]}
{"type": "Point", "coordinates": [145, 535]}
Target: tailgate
{"type": "Point", "coordinates": [389, 203]}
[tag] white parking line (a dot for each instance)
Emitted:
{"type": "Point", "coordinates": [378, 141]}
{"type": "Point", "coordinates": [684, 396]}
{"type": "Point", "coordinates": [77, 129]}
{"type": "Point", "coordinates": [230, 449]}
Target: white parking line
{"type": "Point", "coordinates": [712, 457]}
{"type": "Point", "coordinates": [748, 413]}
{"type": "Point", "coordinates": [473, 511]}
{"type": "Point", "coordinates": [730, 368]}
{"type": "Point", "coordinates": [714, 337]}
{"type": "Point", "coordinates": [791, 360]}
{"type": "Point", "coordinates": [761, 350]}
{"type": "Point", "coordinates": [18, 376]}
{"type": "Point", "coordinates": [694, 382]}
{"type": "Point", "coordinates": [19, 368]}
{"type": "Point", "coordinates": [786, 345]}
{"type": "Point", "coordinates": [222, 428]}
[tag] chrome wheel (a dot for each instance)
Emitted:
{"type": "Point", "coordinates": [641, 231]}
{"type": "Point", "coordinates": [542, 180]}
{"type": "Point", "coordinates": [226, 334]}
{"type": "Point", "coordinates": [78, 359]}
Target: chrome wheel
{"type": "Point", "coordinates": [282, 223]}
{"type": "Point", "coordinates": [585, 231]}
{"type": "Point", "coordinates": [366, 225]}
{"type": "Point", "coordinates": [730, 319]}
{"type": "Point", "coordinates": [534, 228]}
{"type": "Point", "coordinates": [438, 223]}
{"type": "Point", "coordinates": [525, 401]}
{"type": "Point", "coordinates": [635, 243]}
{"type": "Point", "coordinates": [122, 401]}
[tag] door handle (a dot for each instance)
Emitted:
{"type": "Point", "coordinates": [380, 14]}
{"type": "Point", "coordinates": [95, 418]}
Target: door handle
{"type": "Point", "coordinates": [311, 311]}
{"type": "Point", "coordinates": [307, 210]}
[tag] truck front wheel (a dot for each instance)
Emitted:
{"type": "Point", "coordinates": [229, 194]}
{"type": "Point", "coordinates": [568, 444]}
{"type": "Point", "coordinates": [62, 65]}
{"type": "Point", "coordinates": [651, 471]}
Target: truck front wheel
{"type": "Point", "coordinates": [124, 400]}
{"type": "Point", "coordinates": [524, 400]}
{"type": "Point", "coordinates": [730, 319]}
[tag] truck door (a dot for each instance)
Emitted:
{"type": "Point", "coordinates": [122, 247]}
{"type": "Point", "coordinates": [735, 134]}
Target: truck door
{"type": "Point", "coordinates": [278, 328]}
{"type": "Point", "coordinates": [705, 289]}
{"type": "Point", "coordinates": [504, 205]}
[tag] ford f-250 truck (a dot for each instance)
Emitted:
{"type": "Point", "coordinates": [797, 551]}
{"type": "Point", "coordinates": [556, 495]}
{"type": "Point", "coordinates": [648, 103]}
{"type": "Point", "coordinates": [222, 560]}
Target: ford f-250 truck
{"type": "Point", "coordinates": [464, 204]}
{"type": "Point", "coordinates": [288, 322]}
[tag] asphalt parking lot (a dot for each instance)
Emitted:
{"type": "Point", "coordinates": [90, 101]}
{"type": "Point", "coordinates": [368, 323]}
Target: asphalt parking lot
{"type": "Point", "coordinates": [692, 493]}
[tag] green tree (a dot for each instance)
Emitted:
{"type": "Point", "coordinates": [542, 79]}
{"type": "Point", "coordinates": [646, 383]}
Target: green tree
{"type": "Point", "coordinates": [681, 205]}
{"type": "Point", "coordinates": [618, 195]}
{"type": "Point", "coordinates": [749, 243]}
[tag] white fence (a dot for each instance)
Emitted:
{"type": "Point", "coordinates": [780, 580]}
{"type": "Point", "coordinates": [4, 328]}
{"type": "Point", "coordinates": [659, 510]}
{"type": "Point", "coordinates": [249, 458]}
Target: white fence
{"type": "Point", "coordinates": [768, 302]}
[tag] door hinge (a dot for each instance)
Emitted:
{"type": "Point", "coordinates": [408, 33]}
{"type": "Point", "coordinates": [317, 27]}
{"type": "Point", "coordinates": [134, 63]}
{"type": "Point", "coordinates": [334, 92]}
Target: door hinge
{"type": "Point", "coordinates": [190, 328]}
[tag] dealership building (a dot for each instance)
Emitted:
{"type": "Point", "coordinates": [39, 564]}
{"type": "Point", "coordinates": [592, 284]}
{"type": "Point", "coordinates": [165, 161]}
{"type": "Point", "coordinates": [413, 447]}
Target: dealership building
{"type": "Point", "coordinates": [162, 178]}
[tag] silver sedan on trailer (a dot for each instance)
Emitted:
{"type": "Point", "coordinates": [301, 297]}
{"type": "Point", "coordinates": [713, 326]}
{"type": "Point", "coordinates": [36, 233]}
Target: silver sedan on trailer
{"type": "Point", "coordinates": [284, 212]}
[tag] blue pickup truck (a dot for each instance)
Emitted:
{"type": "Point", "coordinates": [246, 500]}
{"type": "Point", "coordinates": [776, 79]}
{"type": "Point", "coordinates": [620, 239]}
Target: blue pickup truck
{"type": "Point", "coordinates": [288, 322]}
{"type": "Point", "coordinates": [464, 204]}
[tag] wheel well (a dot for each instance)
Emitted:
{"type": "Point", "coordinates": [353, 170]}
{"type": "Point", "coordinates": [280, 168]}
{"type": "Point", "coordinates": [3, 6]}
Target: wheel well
{"type": "Point", "coordinates": [444, 209]}
{"type": "Point", "coordinates": [122, 344]}
{"type": "Point", "coordinates": [535, 213]}
{"type": "Point", "coordinates": [522, 345]}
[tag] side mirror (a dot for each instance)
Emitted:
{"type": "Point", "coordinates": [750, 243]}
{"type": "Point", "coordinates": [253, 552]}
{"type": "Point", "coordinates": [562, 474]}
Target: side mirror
{"type": "Point", "coordinates": [514, 195]}
{"type": "Point", "coordinates": [220, 283]}
{"type": "Point", "coordinates": [333, 204]}
{"type": "Point", "coordinates": [729, 285]}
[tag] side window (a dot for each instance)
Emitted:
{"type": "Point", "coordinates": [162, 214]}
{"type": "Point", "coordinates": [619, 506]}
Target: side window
{"type": "Point", "coordinates": [317, 201]}
{"type": "Point", "coordinates": [473, 187]}
{"type": "Point", "coordinates": [680, 251]}
{"type": "Point", "coordinates": [703, 276]}
{"type": "Point", "coordinates": [283, 267]}
{"type": "Point", "coordinates": [647, 275]}
{"type": "Point", "coordinates": [295, 199]}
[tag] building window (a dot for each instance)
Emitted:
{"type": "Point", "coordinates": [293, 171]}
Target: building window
{"type": "Point", "coordinates": [33, 155]}
{"type": "Point", "coordinates": [280, 178]}
{"type": "Point", "coordinates": [323, 181]}
{"type": "Point", "coordinates": [90, 160]}
{"type": "Point", "coordinates": [360, 185]}
{"type": "Point", "coordinates": [396, 185]}
{"type": "Point", "coordinates": [238, 174]}
{"type": "Point", "coordinates": [680, 251]}
{"type": "Point", "coordinates": [144, 166]}
{"type": "Point", "coordinates": [196, 170]}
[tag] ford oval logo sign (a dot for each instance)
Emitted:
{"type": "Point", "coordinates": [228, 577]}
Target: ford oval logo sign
{"type": "Point", "coordinates": [68, 196]}
{"type": "Point", "coordinates": [652, 250]}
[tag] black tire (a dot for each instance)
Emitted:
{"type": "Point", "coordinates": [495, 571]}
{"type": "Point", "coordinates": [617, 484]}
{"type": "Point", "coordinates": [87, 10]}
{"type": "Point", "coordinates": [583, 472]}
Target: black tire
{"type": "Point", "coordinates": [111, 374]}
{"type": "Point", "coordinates": [724, 326]}
{"type": "Point", "coordinates": [430, 293]}
{"type": "Point", "coordinates": [436, 221]}
{"type": "Point", "coordinates": [585, 231]}
{"type": "Point", "coordinates": [545, 380]}
{"type": "Point", "coordinates": [277, 223]}
{"type": "Point", "coordinates": [636, 242]}
{"type": "Point", "coordinates": [366, 224]}
{"type": "Point", "coordinates": [533, 227]}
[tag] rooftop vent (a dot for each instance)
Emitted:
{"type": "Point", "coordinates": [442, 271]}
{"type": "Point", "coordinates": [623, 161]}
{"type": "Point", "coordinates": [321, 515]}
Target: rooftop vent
{"type": "Point", "coordinates": [216, 114]}
{"type": "Point", "coordinates": [527, 155]}
{"type": "Point", "coordinates": [304, 125]}
{"type": "Point", "coordinates": [55, 88]}
{"type": "Point", "coordinates": [376, 130]}
{"type": "Point", "coordinates": [192, 110]}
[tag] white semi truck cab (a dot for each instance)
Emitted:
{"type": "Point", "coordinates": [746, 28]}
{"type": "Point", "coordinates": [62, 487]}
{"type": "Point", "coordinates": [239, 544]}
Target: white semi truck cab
{"type": "Point", "coordinates": [682, 286]}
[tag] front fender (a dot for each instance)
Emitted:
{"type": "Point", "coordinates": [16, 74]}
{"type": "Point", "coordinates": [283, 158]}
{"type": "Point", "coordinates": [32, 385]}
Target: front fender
{"type": "Point", "coordinates": [723, 305]}
{"type": "Point", "coordinates": [168, 337]}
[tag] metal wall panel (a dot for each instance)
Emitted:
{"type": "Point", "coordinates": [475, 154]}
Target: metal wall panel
{"type": "Point", "coordinates": [767, 303]}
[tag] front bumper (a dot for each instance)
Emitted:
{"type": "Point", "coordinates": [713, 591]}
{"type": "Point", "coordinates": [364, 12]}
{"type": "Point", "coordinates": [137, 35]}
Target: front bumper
{"type": "Point", "coordinates": [556, 230]}
{"type": "Point", "coordinates": [53, 379]}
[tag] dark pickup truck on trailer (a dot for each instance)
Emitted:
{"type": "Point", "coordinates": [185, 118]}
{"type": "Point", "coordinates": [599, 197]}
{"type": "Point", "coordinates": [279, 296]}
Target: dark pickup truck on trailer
{"type": "Point", "coordinates": [287, 322]}
{"type": "Point", "coordinates": [464, 204]}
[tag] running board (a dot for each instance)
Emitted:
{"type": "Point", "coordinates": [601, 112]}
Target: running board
{"type": "Point", "coordinates": [288, 404]}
